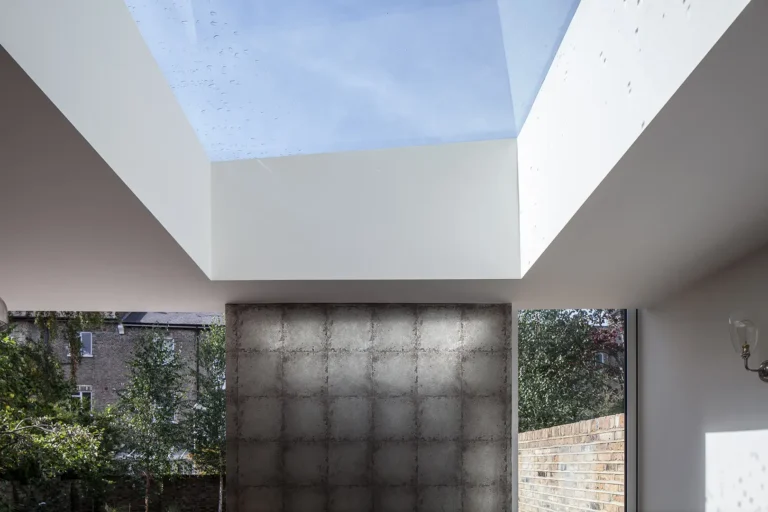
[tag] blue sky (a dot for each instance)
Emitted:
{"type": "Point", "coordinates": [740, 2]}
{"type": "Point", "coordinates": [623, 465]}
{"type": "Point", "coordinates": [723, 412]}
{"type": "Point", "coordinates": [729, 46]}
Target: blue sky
{"type": "Point", "coordinates": [261, 78]}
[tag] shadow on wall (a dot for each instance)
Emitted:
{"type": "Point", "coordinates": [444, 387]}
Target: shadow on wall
{"type": "Point", "coordinates": [737, 471]}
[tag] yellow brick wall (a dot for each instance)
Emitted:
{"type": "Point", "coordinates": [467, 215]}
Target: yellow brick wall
{"type": "Point", "coordinates": [573, 467]}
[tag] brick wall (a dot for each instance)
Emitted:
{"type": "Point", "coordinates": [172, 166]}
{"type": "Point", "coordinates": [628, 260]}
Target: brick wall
{"type": "Point", "coordinates": [107, 370]}
{"type": "Point", "coordinates": [573, 467]}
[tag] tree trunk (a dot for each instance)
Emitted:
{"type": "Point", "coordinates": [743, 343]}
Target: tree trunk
{"type": "Point", "coordinates": [14, 495]}
{"type": "Point", "coordinates": [222, 476]}
{"type": "Point", "coordinates": [221, 491]}
{"type": "Point", "coordinates": [74, 497]}
{"type": "Point", "coordinates": [146, 493]}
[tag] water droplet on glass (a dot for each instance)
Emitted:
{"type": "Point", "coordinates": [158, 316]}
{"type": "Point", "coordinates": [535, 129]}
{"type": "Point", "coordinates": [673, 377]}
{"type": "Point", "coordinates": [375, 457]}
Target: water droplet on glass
{"type": "Point", "coordinates": [213, 23]}
{"type": "Point", "coordinates": [213, 13]}
{"type": "Point", "coordinates": [216, 36]}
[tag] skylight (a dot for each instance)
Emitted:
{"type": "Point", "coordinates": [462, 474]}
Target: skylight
{"type": "Point", "coordinates": [259, 78]}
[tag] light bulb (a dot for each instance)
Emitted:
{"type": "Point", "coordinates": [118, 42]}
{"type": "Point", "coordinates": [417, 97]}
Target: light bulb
{"type": "Point", "coordinates": [743, 332]}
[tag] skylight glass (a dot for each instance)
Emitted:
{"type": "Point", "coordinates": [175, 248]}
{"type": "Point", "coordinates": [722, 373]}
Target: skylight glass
{"type": "Point", "coordinates": [259, 78]}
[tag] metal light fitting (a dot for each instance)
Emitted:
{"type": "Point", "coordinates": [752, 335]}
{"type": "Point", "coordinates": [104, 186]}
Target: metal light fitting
{"type": "Point", "coordinates": [744, 338]}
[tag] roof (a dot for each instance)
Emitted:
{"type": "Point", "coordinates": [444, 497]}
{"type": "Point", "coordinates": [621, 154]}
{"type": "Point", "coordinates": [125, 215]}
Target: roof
{"type": "Point", "coordinates": [148, 318]}
{"type": "Point", "coordinates": [178, 319]}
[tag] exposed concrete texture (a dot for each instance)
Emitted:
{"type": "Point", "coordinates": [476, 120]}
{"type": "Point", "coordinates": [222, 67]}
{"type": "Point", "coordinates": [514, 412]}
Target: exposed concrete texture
{"type": "Point", "coordinates": [368, 408]}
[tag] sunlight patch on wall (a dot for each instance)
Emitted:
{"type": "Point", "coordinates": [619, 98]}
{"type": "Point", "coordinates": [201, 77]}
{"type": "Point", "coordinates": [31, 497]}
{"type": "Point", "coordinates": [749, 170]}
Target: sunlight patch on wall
{"type": "Point", "coordinates": [737, 471]}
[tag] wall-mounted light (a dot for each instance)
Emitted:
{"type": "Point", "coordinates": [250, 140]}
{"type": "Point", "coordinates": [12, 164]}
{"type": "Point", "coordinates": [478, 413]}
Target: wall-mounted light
{"type": "Point", "coordinates": [744, 338]}
{"type": "Point", "coordinates": [3, 314]}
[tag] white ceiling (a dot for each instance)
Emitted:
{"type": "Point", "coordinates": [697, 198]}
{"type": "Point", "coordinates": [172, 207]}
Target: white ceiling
{"type": "Point", "coordinates": [687, 198]}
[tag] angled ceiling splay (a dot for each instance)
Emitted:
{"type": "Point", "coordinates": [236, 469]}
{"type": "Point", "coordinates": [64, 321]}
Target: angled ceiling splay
{"type": "Point", "coordinates": [428, 212]}
{"type": "Point", "coordinates": [88, 57]}
{"type": "Point", "coordinates": [141, 266]}
{"type": "Point", "coordinates": [618, 65]}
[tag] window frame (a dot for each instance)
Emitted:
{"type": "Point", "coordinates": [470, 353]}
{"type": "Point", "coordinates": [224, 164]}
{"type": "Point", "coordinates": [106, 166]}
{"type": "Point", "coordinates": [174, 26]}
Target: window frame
{"type": "Point", "coordinates": [630, 404]}
{"type": "Point", "coordinates": [631, 412]}
{"type": "Point", "coordinates": [82, 344]}
{"type": "Point", "coordinates": [82, 391]}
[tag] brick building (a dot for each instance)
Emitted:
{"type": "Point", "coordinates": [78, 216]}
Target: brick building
{"type": "Point", "coordinates": [106, 351]}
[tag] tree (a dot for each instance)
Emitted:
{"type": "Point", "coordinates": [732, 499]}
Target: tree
{"type": "Point", "coordinates": [561, 377]}
{"type": "Point", "coordinates": [71, 323]}
{"type": "Point", "coordinates": [41, 435]}
{"type": "Point", "coordinates": [608, 338]}
{"type": "Point", "coordinates": [207, 418]}
{"type": "Point", "coordinates": [148, 410]}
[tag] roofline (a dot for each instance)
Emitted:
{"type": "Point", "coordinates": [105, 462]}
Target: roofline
{"type": "Point", "coordinates": [25, 315]}
{"type": "Point", "coordinates": [169, 326]}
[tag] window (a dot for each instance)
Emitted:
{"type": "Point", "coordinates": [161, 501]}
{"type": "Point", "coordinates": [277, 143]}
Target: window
{"type": "Point", "coordinates": [83, 397]}
{"type": "Point", "coordinates": [86, 344]}
{"type": "Point", "coordinates": [572, 396]}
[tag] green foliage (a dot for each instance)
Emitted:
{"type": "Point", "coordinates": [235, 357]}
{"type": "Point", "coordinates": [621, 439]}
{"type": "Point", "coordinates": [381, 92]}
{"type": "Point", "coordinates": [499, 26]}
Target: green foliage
{"type": "Point", "coordinates": [148, 410]}
{"type": "Point", "coordinates": [206, 420]}
{"type": "Point", "coordinates": [30, 378]}
{"type": "Point", "coordinates": [41, 435]}
{"type": "Point", "coordinates": [45, 435]}
{"type": "Point", "coordinates": [561, 379]}
{"type": "Point", "coordinates": [69, 324]}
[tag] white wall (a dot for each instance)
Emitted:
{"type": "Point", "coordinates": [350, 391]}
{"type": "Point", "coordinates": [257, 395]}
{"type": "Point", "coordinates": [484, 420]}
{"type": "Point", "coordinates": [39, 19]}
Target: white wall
{"type": "Point", "coordinates": [692, 384]}
{"type": "Point", "coordinates": [430, 212]}
{"type": "Point", "coordinates": [616, 68]}
{"type": "Point", "coordinates": [88, 57]}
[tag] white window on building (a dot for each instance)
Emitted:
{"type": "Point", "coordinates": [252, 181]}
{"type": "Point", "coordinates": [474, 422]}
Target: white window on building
{"type": "Point", "coordinates": [84, 395]}
{"type": "Point", "coordinates": [86, 344]}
